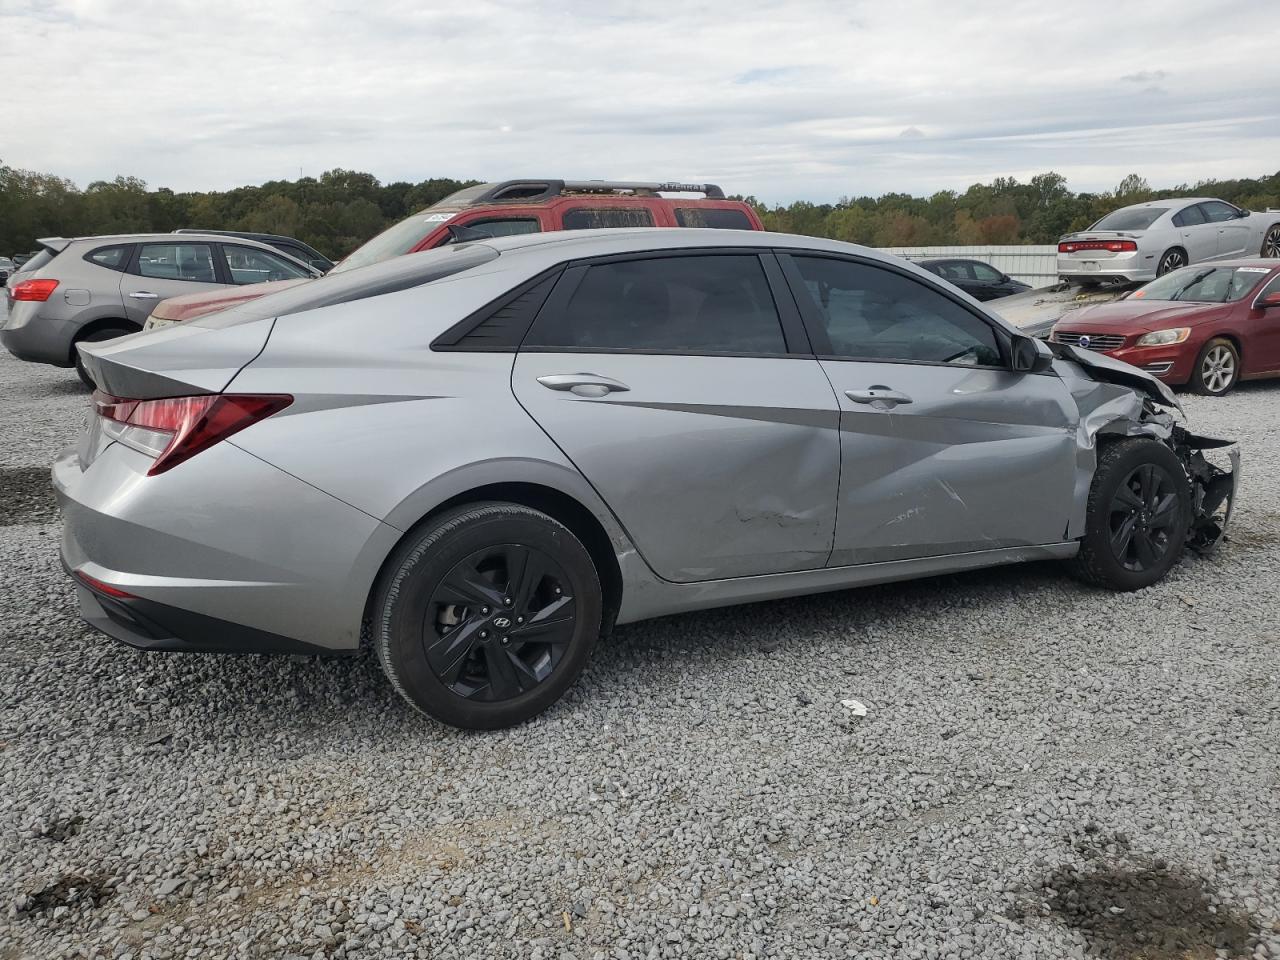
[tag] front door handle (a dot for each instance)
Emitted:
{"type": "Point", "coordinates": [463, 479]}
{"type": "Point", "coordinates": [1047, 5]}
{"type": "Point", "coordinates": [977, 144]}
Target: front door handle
{"type": "Point", "coordinates": [878, 394]}
{"type": "Point", "coordinates": [145, 295]}
{"type": "Point", "coordinates": [583, 384]}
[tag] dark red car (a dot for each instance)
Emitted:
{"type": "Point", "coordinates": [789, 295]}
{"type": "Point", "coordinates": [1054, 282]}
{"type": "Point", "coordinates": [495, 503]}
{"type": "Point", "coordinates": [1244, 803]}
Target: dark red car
{"type": "Point", "coordinates": [1208, 326]}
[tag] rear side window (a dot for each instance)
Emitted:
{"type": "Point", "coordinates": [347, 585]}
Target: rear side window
{"type": "Point", "coordinates": [113, 258]}
{"type": "Point", "coordinates": [1189, 217]}
{"type": "Point", "coordinates": [590, 218]}
{"type": "Point", "coordinates": [870, 313]}
{"type": "Point", "coordinates": [177, 261]}
{"type": "Point", "coordinates": [708, 304]}
{"type": "Point", "coordinates": [712, 217]}
{"type": "Point", "coordinates": [952, 271]}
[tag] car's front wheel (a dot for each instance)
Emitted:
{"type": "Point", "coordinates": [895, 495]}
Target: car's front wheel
{"type": "Point", "coordinates": [1217, 368]}
{"type": "Point", "coordinates": [486, 616]}
{"type": "Point", "coordinates": [1138, 515]}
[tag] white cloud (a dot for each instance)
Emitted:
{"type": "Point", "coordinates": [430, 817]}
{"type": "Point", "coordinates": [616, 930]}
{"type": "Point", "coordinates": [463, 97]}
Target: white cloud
{"type": "Point", "coordinates": [814, 99]}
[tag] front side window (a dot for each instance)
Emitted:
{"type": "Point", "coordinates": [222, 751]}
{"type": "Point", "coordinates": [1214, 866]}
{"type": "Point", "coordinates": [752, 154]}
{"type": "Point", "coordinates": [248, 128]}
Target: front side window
{"type": "Point", "coordinates": [708, 304]}
{"type": "Point", "coordinates": [487, 229]}
{"type": "Point", "coordinates": [1203, 284]}
{"type": "Point", "coordinates": [714, 218]}
{"type": "Point", "coordinates": [871, 313]}
{"type": "Point", "coordinates": [1134, 218]}
{"type": "Point", "coordinates": [177, 261]}
{"type": "Point", "coordinates": [987, 274]}
{"type": "Point", "coordinates": [248, 265]}
{"type": "Point", "coordinates": [1215, 211]}
{"type": "Point", "coordinates": [591, 218]}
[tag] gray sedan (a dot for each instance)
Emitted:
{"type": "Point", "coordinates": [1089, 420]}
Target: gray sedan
{"type": "Point", "coordinates": [1147, 240]}
{"type": "Point", "coordinates": [479, 459]}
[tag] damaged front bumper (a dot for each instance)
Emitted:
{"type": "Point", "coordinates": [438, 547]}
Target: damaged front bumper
{"type": "Point", "coordinates": [1213, 490]}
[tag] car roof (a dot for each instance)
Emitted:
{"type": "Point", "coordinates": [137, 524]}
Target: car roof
{"type": "Point", "coordinates": [1167, 201]}
{"type": "Point", "coordinates": [58, 244]}
{"type": "Point", "coordinates": [601, 242]}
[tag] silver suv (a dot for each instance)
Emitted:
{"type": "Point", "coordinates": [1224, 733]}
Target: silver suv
{"type": "Point", "coordinates": [97, 288]}
{"type": "Point", "coordinates": [482, 457]}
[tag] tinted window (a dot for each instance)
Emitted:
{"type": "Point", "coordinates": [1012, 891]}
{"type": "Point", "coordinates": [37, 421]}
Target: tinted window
{"type": "Point", "coordinates": [589, 218]}
{"type": "Point", "coordinates": [1215, 211]}
{"type": "Point", "coordinates": [248, 265]}
{"type": "Point", "coordinates": [484, 229]}
{"type": "Point", "coordinates": [1134, 218]}
{"type": "Point", "coordinates": [986, 273]}
{"type": "Point", "coordinates": [876, 314]}
{"type": "Point", "coordinates": [1189, 217]}
{"type": "Point", "coordinates": [713, 218]}
{"type": "Point", "coordinates": [950, 270]}
{"type": "Point", "coordinates": [177, 261]}
{"type": "Point", "coordinates": [114, 258]}
{"type": "Point", "coordinates": [712, 304]}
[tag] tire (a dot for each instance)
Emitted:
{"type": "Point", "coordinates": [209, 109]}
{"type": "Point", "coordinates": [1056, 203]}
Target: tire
{"type": "Point", "coordinates": [447, 616]}
{"type": "Point", "coordinates": [1271, 241]}
{"type": "Point", "coordinates": [1217, 368]}
{"type": "Point", "coordinates": [1172, 260]}
{"type": "Point", "coordinates": [1119, 521]}
{"type": "Point", "coordinates": [97, 336]}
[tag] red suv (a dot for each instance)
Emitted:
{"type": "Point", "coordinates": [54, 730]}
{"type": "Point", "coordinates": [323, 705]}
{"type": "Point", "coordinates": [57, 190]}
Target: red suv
{"type": "Point", "coordinates": [507, 208]}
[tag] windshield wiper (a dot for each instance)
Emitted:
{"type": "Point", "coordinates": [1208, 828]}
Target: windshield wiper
{"type": "Point", "coordinates": [1194, 280]}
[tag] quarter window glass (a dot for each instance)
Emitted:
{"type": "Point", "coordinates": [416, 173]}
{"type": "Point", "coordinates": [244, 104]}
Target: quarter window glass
{"type": "Point", "coordinates": [712, 304]}
{"type": "Point", "coordinates": [713, 218]}
{"type": "Point", "coordinates": [1190, 217]}
{"type": "Point", "coordinates": [590, 218]}
{"type": "Point", "coordinates": [875, 314]}
{"type": "Point", "coordinates": [111, 257]}
{"type": "Point", "coordinates": [1215, 211]}
{"type": "Point", "coordinates": [177, 261]}
{"type": "Point", "coordinates": [248, 265]}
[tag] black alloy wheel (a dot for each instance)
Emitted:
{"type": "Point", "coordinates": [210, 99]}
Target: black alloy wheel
{"type": "Point", "coordinates": [1144, 516]}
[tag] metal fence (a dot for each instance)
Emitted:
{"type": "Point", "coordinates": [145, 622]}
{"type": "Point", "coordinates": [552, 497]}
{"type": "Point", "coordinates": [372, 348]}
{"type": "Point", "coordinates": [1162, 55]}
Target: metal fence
{"type": "Point", "coordinates": [1033, 264]}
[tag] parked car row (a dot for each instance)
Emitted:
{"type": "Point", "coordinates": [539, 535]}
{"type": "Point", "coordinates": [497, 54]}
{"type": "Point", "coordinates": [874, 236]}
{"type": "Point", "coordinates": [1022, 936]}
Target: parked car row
{"type": "Point", "coordinates": [482, 457]}
{"type": "Point", "coordinates": [1147, 240]}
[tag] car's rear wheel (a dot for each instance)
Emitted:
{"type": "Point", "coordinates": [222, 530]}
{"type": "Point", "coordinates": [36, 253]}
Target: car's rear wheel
{"type": "Point", "coordinates": [486, 616]}
{"type": "Point", "coordinates": [1138, 515]}
{"type": "Point", "coordinates": [96, 336]}
{"type": "Point", "coordinates": [1172, 260]}
{"type": "Point", "coordinates": [1271, 242]}
{"type": "Point", "coordinates": [1217, 368]}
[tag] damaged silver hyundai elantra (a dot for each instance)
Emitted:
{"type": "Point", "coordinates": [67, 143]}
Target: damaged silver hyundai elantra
{"type": "Point", "coordinates": [479, 459]}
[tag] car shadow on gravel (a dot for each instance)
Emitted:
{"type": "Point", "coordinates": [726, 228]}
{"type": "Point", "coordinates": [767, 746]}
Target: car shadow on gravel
{"type": "Point", "coordinates": [28, 496]}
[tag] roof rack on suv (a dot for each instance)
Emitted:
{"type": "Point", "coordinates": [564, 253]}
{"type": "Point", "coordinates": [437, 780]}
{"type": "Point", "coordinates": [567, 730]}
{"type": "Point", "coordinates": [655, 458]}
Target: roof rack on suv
{"type": "Point", "coordinates": [545, 189]}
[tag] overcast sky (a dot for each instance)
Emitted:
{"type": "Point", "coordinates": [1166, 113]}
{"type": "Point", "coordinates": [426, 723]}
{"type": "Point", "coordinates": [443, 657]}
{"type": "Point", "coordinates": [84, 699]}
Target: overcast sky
{"type": "Point", "coordinates": [806, 99]}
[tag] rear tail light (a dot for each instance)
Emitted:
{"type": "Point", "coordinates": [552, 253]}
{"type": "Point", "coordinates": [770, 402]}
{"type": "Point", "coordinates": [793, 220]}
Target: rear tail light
{"type": "Point", "coordinates": [37, 290]}
{"type": "Point", "coordinates": [97, 586]}
{"type": "Point", "coordinates": [177, 428]}
{"type": "Point", "coordinates": [1115, 246]}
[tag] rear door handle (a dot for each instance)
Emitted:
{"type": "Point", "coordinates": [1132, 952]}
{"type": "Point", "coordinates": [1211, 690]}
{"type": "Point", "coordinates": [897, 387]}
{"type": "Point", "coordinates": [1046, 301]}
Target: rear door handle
{"type": "Point", "coordinates": [583, 384]}
{"type": "Point", "coordinates": [878, 394]}
{"type": "Point", "coordinates": [144, 295]}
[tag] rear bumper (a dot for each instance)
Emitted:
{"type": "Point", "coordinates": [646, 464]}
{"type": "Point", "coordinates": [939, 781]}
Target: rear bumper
{"type": "Point", "coordinates": [29, 336]}
{"type": "Point", "coordinates": [222, 553]}
{"type": "Point", "coordinates": [1127, 267]}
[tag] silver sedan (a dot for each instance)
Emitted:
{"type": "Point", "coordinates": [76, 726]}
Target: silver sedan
{"type": "Point", "coordinates": [1147, 240]}
{"type": "Point", "coordinates": [478, 459]}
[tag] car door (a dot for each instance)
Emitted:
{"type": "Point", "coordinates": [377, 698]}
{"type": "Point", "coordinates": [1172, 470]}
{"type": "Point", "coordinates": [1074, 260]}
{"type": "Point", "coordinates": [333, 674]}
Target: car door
{"type": "Point", "coordinates": [690, 401]}
{"type": "Point", "coordinates": [1262, 328]}
{"type": "Point", "coordinates": [1234, 231]}
{"type": "Point", "coordinates": [1195, 233]}
{"type": "Point", "coordinates": [988, 282]}
{"type": "Point", "coordinates": [158, 271]}
{"type": "Point", "coordinates": [944, 449]}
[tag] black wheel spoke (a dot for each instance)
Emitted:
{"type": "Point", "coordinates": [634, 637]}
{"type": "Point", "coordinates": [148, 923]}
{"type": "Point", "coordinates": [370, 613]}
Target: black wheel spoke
{"type": "Point", "coordinates": [1126, 498]}
{"type": "Point", "coordinates": [1121, 539]}
{"type": "Point", "coordinates": [1145, 549]}
{"type": "Point", "coordinates": [525, 572]}
{"type": "Point", "coordinates": [504, 678]}
{"type": "Point", "coordinates": [1147, 485]}
{"type": "Point", "coordinates": [554, 632]}
{"type": "Point", "coordinates": [465, 586]}
{"type": "Point", "coordinates": [448, 655]}
{"type": "Point", "coordinates": [1166, 511]}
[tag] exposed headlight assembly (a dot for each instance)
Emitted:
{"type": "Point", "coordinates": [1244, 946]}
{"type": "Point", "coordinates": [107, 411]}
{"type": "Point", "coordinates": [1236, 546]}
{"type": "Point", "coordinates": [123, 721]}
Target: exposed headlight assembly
{"type": "Point", "coordinates": [1158, 338]}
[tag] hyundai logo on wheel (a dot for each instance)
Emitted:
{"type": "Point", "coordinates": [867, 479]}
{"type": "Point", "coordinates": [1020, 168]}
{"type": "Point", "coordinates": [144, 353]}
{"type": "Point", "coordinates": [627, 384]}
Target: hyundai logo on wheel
{"type": "Point", "coordinates": [502, 622]}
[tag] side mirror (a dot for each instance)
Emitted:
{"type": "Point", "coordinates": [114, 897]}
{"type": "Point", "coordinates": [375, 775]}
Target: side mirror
{"type": "Point", "coordinates": [1269, 302]}
{"type": "Point", "coordinates": [1025, 355]}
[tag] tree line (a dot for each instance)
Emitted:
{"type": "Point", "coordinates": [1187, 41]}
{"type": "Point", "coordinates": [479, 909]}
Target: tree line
{"type": "Point", "coordinates": [341, 209]}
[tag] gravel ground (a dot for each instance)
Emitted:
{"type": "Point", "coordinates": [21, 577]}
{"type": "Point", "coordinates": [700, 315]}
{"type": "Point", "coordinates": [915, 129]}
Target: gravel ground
{"type": "Point", "coordinates": [1044, 771]}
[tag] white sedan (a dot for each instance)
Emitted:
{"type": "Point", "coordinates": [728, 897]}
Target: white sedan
{"type": "Point", "coordinates": [1147, 240]}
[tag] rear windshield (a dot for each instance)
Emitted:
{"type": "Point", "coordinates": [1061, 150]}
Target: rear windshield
{"type": "Point", "coordinates": [1137, 218]}
{"type": "Point", "coordinates": [1204, 284]}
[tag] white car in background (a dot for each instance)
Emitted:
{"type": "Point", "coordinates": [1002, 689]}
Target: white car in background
{"type": "Point", "coordinates": [1147, 240]}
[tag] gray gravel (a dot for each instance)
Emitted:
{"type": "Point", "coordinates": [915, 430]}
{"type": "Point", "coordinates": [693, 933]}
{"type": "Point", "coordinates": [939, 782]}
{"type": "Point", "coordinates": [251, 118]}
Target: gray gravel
{"type": "Point", "coordinates": [1044, 771]}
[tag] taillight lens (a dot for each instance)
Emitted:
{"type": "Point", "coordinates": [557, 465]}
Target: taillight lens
{"type": "Point", "coordinates": [37, 290]}
{"type": "Point", "coordinates": [175, 429]}
{"type": "Point", "coordinates": [1115, 246]}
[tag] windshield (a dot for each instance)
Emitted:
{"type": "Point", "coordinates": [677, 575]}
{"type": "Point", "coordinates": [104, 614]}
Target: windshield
{"type": "Point", "coordinates": [1132, 218]}
{"type": "Point", "coordinates": [396, 240]}
{"type": "Point", "coordinates": [1203, 284]}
